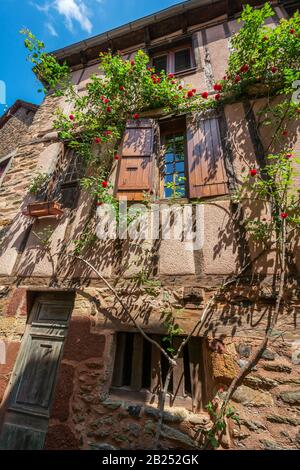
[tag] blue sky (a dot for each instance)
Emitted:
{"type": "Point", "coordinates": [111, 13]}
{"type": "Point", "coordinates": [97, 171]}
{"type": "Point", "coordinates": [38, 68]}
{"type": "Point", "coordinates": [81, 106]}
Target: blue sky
{"type": "Point", "coordinates": [57, 23]}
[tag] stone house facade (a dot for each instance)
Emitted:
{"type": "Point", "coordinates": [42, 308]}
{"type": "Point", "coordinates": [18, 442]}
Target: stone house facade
{"type": "Point", "coordinates": [77, 374]}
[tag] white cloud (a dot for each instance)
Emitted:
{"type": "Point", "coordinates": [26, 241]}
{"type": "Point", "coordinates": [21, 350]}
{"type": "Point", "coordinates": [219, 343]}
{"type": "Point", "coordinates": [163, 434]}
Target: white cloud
{"type": "Point", "coordinates": [51, 29]}
{"type": "Point", "coordinates": [74, 10]}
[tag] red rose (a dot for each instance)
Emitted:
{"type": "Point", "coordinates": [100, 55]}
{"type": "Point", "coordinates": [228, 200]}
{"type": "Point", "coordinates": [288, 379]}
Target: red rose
{"type": "Point", "coordinates": [97, 140]}
{"type": "Point", "coordinates": [237, 79]}
{"type": "Point", "coordinates": [99, 203]}
{"type": "Point", "coordinates": [106, 100]}
{"type": "Point", "coordinates": [225, 77]}
{"type": "Point", "coordinates": [117, 157]}
{"type": "Point", "coordinates": [107, 132]}
{"type": "Point", "coordinates": [190, 94]}
{"type": "Point", "coordinates": [158, 80]}
{"type": "Point", "coordinates": [122, 88]}
{"type": "Point", "coordinates": [292, 31]}
{"type": "Point", "coordinates": [285, 133]}
{"type": "Point", "coordinates": [132, 62]}
{"type": "Point", "coordinates": [204, 95]}
{"type": "Point", "coordinates": [149, 69]}
{"type": "Point", "coordinates": [288, 155]}
{"type": "Point", "coordinates": [173, 82]}
{"type": "Point", "coordinates": [180, 87]}
{"type": "Point", "coordinates": [253, 172]}
{"type": "Point", "coordinates": [104, 184]}
{"type": "Point", "coordinates": [283, 215]}
{"type": "Point", "coordinates": [136, 116]}
{"type": "Point", "coordinates": [217, 87]}
{"type": "Point", "coordinates": [245, 68]}
{"type": "Point", "coordinates": [171, 75]}
{"type": "Point", "coordinates": [274, 69]}
{"type": "Point", "coordinates": [71, 117]}
{"type": "Point", "coordinates": [217, 96]}
{"type": "Point", "coordinates": [108, 109]}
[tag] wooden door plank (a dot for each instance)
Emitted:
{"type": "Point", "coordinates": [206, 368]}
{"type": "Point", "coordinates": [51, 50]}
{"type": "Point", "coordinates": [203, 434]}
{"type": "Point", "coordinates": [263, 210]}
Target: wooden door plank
{"type": "Point", "coordinates": [178, 373]}
{"type": "Point", "coordinates": [137, 362]}
{"type": "Point", "coordinates": [195, 355]}
{"type": "Point", "coordinates": [118, 374]}
{"type": "Point", "coordinates": [155, 365]}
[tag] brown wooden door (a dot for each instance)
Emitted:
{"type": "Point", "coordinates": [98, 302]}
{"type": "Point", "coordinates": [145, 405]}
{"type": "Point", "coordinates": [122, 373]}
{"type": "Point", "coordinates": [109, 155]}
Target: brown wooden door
{"type": "Point", "coordinates": [30, 393]}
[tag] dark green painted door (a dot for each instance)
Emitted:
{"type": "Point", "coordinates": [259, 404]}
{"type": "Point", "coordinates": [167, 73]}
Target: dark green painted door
{"type": "Point", "coordinates": [30, 392]}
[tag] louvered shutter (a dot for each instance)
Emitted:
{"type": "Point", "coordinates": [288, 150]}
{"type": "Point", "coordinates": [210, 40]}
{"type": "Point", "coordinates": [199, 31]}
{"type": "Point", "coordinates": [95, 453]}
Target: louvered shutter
{"type": "Point", "coordinates": [207, 174]}
{"type": "Point", "coordinates": [137, 159]}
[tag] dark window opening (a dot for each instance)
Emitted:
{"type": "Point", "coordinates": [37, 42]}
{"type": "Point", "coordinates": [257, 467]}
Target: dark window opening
{"type": "Point", "coordinates": [68, 188]}
{"type": "Point", "coordinates": [136, 360]}
{"type": "Point", "coordinates": [291, 7]}
{"type": "Point", "coordinates": [3, 166]}
{"type": "Point", "coordinates": [160, 63]}
{"type": "Point", "coordinates": [182, 60]}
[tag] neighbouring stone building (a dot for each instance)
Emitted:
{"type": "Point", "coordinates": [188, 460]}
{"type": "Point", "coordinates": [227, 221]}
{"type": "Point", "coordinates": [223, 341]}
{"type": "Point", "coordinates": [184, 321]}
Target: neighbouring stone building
{"type": "Point", "coordinates": [76, 374]}
{"type": "Point", "coordinates": [14, 125]}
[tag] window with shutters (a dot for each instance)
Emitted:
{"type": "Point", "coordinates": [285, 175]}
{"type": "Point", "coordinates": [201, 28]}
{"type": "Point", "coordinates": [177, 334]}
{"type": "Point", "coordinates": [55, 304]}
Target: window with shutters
{"type": "Point", "coordinates": [176, 60]}
{"type": "Point", "coordinates": [140, 367]}
{"type": "Point", "coordinates": [189, 162]}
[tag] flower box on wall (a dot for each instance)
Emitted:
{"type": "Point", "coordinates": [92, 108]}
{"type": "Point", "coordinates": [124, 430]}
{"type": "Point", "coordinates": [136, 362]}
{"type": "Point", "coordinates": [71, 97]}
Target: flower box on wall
{"type": "Point", "coordinates": [43, 209]}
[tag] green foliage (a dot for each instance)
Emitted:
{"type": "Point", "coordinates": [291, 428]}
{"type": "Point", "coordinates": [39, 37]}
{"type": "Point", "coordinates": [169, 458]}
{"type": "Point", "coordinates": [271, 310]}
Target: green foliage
{"type": "Point", "coordinates": [177, 191]}
{"type": "Point", "coordinates": [218, 416]}
{"type": "Point", "coordinates": [151, 286]}
{"type": "Point", "coordinates": [274, 186]}
{"type": "Point", "coordinates": [85, 241]}
{"type": "Point", "coordinates": [54, 76]}
{"type": "Point", "coordinates": [173, 330]}
{"type": "Point", "coordinates": [263, 55]}
{"type": "Point", "coordinates": [122, 90]}
{"type": "Point", "coordinates": [39, 183]}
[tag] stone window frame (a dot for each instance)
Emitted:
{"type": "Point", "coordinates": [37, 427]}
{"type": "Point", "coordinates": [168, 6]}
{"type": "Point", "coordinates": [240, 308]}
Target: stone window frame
{"type": "Point", "coordinates": [192, 364]}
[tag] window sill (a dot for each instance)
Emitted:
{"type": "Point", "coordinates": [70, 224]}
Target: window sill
{"type": "Point", "coordinates": [185, 72]}
{"type": "Point", "coordinates": [146, 397]}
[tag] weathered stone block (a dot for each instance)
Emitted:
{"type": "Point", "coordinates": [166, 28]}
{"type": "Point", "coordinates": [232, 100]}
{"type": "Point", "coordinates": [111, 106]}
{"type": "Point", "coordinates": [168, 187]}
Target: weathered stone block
{"type": "Point", "coordinates": [224, 367]}
{"type": "Point", "coordinates": [249, 397]}
{"type": "Point", "coordinates": [292, 397]}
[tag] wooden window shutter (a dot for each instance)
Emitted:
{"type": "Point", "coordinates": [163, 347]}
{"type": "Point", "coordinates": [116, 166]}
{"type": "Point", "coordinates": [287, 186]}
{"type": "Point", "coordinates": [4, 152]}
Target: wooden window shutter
{"type": "Point", "coordinates": [207, 174]}
{"type": "Point", "coordinates": [137, 163]}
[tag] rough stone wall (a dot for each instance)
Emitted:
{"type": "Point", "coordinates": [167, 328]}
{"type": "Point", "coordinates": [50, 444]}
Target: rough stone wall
{"type": "Point", "coordinates": [84, 416]}
{"type": "Point", "coordinates": [13, 314]}
{"type": "Point", "coordinates": [14, 130]}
